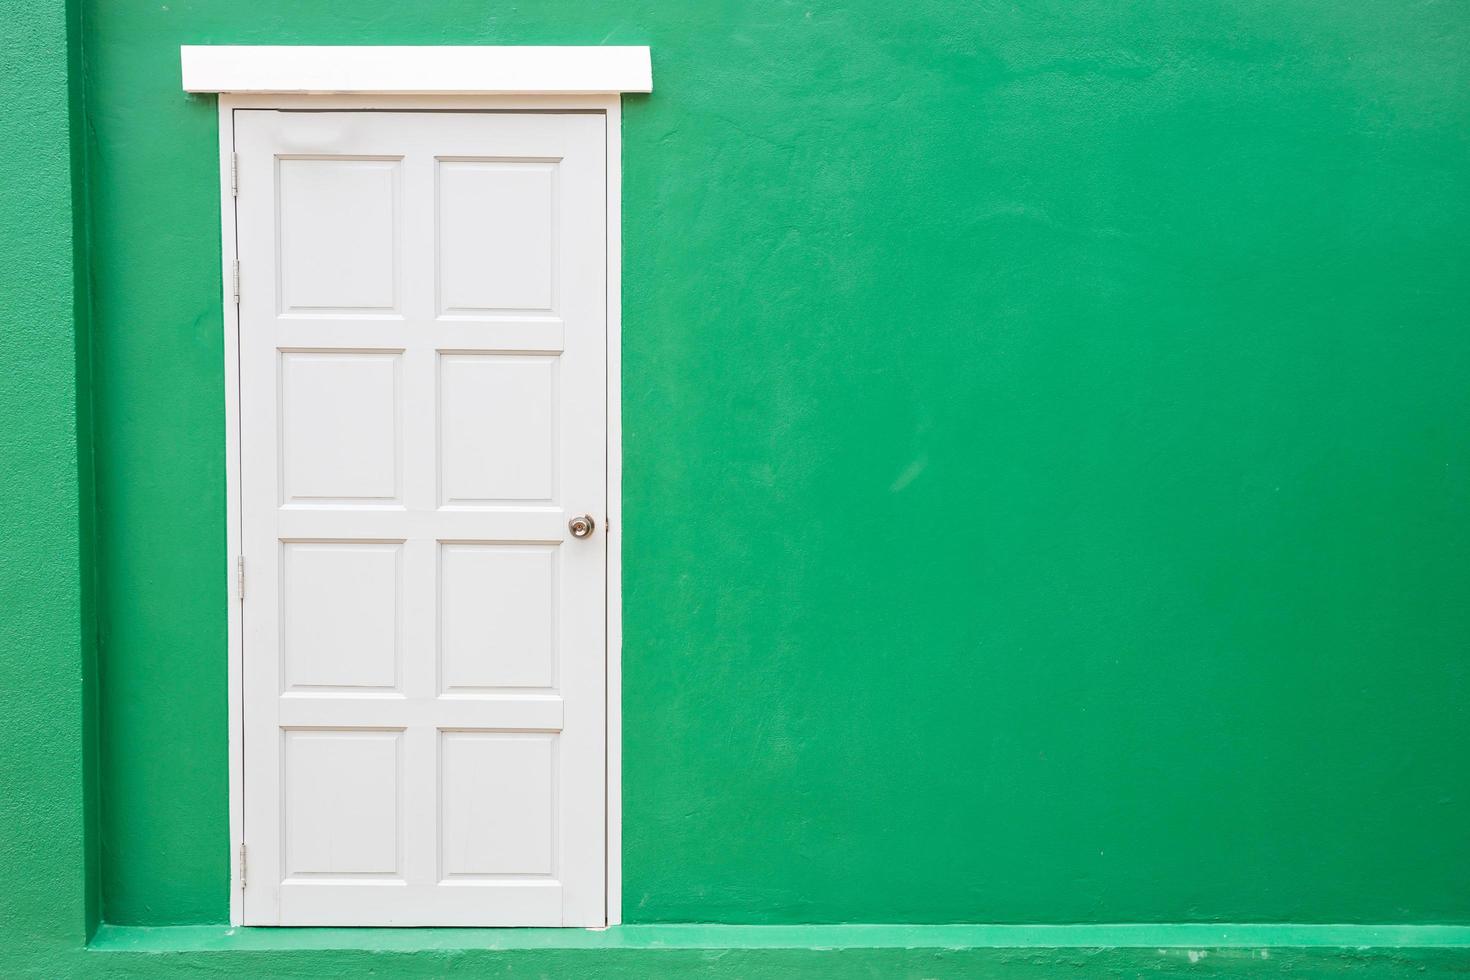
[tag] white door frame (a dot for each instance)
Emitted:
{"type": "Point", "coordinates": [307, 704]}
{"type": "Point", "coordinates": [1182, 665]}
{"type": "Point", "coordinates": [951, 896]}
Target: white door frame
{"type": "Point", "coordinates": [610, 105]}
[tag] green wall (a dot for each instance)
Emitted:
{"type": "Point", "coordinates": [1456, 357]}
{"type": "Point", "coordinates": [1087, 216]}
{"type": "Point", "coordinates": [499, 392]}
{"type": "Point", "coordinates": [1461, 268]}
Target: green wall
{"type": "Point", "coordinates": [1047, 476]}
{"type": "Point", "coordinates": [48, 858]}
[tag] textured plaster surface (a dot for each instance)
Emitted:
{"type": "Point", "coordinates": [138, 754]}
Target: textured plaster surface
{"type": "Point", "coordinates": [45, 885]}
{"type": "Point", "coordinates": [1047, 492]}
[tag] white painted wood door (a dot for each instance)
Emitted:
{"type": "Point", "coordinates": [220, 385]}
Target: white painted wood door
{"type": "Point", "coordinates": [423, 409]}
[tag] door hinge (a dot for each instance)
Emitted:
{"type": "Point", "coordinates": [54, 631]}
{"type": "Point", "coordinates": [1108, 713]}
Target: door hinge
{"type": "Point", "coordinates": [234, 175]}
{"type": "Point", "coordinates": [240, 577]}
{"type": "Point", "coordinates": [242, 865]}
{"type": "Point", "coordinates": [235, 280]}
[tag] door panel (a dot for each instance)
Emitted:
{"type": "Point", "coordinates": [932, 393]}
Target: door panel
{"type": "Point", "coordinates": [423, 409]}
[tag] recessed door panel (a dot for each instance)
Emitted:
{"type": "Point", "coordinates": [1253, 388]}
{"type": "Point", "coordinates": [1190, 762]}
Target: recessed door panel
{"type": "Point", "coordinates": [339, 418]}
{"type": "Point", "coordinates": [499, 796]}
{"type": "Point", "coordinates": [339, 234]}
{"type": "Point", "coordinates": [497, 236]}
{"type": "Point", "coordinates": [498, 428]}
{"type": "Point", "coordinates": [341, 803]}
{"type": "Point", "coordinates": [498, 616]}
{"type": "Point", "coordinates": [341, 609]}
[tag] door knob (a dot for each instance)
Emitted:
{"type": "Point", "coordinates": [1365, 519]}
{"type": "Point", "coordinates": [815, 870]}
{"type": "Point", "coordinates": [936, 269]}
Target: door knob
{"type": "Point", "coordinates": [582, 526]}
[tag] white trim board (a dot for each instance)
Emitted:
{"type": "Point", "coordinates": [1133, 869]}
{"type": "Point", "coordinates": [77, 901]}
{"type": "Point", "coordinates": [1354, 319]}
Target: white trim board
{"type": "Point", "coordinates": [610, 105]}
{"type": "Point", "coordinates": [481, 70]}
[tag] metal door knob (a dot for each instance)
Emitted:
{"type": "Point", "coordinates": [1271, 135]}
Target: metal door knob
{"type": "Point", "coordinates": [582, 526]}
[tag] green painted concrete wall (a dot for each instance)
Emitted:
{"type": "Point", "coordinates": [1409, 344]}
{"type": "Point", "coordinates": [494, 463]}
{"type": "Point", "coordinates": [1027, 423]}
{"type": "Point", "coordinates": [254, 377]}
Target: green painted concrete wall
{"type": "Point", "coordinates": [48, 812]}
{"type": "Point", "coordinates": [1047, 480]}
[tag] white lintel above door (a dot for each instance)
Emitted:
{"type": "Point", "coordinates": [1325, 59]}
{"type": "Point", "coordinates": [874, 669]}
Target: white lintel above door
{"type": "Point", "coordinates": [417, 70]}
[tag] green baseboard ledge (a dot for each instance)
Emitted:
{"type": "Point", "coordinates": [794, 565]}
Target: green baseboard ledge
{"type": "Point", "coordinates": [758, 951]}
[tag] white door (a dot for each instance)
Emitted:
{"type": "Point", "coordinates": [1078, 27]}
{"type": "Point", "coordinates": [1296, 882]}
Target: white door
{"type": "Point", "coordinates": [423, 412]}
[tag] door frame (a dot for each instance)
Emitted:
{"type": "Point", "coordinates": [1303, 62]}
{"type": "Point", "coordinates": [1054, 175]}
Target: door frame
{"type": "Point", "coordinates": [610, 106]}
